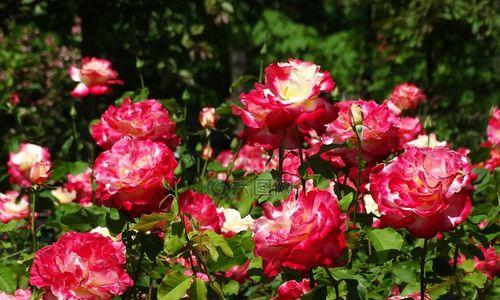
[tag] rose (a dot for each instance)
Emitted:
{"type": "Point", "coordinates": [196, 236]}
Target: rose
{"type": "Point", "coordinates": [238, 273]}
{"type": "Point", "coordinates": [20, 294]}
{"type": "Point", "coordinates": [208, 118]}
{"type": "Point", "coordinates": [405, 96]}
{"type": "Point", "coordinates": [287, 106]}
{"type": "Point", "coordinates": [202, 209]}
{"type": "Point", "coordinates": [425, 140]}
{"type": "Point", "coordinates": [132, 175]}
{"type": "Point", "coordinates": [490, 266]}
{"type": "Point", "coordinates": [63, 195]}
{"type": "Point", "coordinates": [147, 119]}
{"type": "Point", "coordinates": [300, 234]}
{"type": "Point", "coordinates": [251, 159]}
{"type": "Point", "coordinates": [233, 222]}
{"type": "Point", "coordinates": [293, 290]}
{"type": "Point", "coordinates": [29, 165]}
{"type": "Point", "coordinates": [40, 172]}
{"type": "Point", "coordinates": [11, 208]}
{"type": "Point", "coordinates": [426, 190]}
{"type": "Point", "coordinates": [378, 129]}
{"type": "Point", "coordinates": [94, 77]}
{"type": "Point", "coordinates": [409, 129]}
{"type": "Point", "coordinates": [81, 266]}
{"type": "Point", "coordinates": [493, 129]}
{"type": "Point", "coordinates": [81, 184]}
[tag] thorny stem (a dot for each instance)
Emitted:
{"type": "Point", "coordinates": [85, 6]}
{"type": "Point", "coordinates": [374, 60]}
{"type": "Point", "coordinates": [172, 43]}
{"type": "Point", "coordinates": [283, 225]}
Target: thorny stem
{"type": "Point", "coordinates": [207, 146]}
{"type": "Point", "coordinates": [33, 229]}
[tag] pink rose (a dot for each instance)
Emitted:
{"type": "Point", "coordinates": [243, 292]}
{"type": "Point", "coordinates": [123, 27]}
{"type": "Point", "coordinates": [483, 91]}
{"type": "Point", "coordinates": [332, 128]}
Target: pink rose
{"type": "Point", "coordinates": [81, 266]}
{"type": "Point", "coordinates": [493, 129]}
{"type": "Point", "coordinates": [288, 105]}
{"type": "Point", "coordinates": [409, 129]}
{"type": "Point", "coordinates": [426, 190]}
{"type": "Point", "coordinates": [251, 159]}
{"type": "Point", "coordinates": [131, 176]}
{"type": "Point", "coordinates": [20, 294]}
{"type": "Point", "coordinates": [208, 118]}
{"type": "Point", "coordinates": [238, 273]}
{"type": "Point", "coordinates": [13, 209]}
{"type": "Point", "coordinates": [405, 96]}
{"type": "Point", "coordinates": [14, 100]}
{"type": "Point", "coordinates": [202, 209]}
{"type": "Point", "coordinates": [490, 266]}
{"type": "Point", "coordinates": [380, 131]}
{"type": "Point", "coordinates": [95, 77]}
{"type": "Point", "coordinates": [81, 184]}
{"type": "Point", "coordinates": [29, 164]}
{"type": "Point", "coordinates": [293, 290]}
{"type": "Point", "coordinates": [147, 119]}
{"type": "Point", "coordinates": [300, 234]}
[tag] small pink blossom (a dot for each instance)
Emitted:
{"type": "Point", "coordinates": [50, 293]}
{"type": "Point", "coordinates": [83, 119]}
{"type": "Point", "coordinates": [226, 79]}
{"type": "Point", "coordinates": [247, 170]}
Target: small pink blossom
{"type": "Point", "coordinates": [94, 77]}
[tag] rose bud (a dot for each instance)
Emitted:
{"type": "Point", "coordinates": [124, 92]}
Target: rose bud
{"type": "Point", "coordinates": [300, 234]}
{"type": "Point", "coordinates": [14, 100]}
{"type": "Point", "coordinates": [424, 190]}
{"type": "Point", "coordinates": [405, 96]}
{"type": "Point", "coordinates": [208, 118]}
{"type": "Point", "coordinates": [293, 290]}
{"type": "Point", "coordinates": [28, 157]}
{"type": "Point", "coordinates": [412, 296]}
{"type": "Point", "coordinates": [288, 106]}
{"type": "Point", "coordinates": [147, 119]}
{"type": "Point", "coordinates": [207, 152]}
{"type": "Point", "coordinates": [133, 176]}
{"type": "Point", "coordinates": [40, 172]}
{"type": "Point", "coordinates": [94, 77]}
{"type": "Point", "coordinates": [81, 266]}
{"type": "Point", "coordinates": [238, 273]}
{"type": "Point", "coordinates": [202, 209]}
{"type": "Point", "coordinates": [12, 208]}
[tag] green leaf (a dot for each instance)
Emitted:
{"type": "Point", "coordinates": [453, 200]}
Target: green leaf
{"type": "Point", "coordinates": [220, 241]}
{"type": "Point", "coordinates": [240, 81]}
{"type": "Point", "coordinates": [384, 256]}
{"type": "Point", "coordinates": [13, 224]}
{"type": "Point", "coordinates": [174, 286]}
{"type": "Point", "coordinates": [148, 222]}
{"type": "Point", "coordinates": [8, 282]}
{"type": "Point", "coordinates": [175, 239]}
{"type": "Point", "coordinates": [231, 288]}
{"type": "Point", "coordinates": [476, 278]}
{"type": "Point", "coordinates": [384, 239]}
{"type": "Point", "coordinates": [317, 293]}
{"type": "Point", "coordinates": [256, 188]}
{"type": "Point", "coordinates": [345, 202]}
{"type": "Point", "coordinates": [198, 290]}
{"type": "Point", "coordinates": [406, 271]}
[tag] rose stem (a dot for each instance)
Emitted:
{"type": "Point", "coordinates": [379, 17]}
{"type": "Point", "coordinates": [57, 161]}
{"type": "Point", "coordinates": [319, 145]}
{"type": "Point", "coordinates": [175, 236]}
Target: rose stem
{"type": "Point", "coordinates": [422, 270]}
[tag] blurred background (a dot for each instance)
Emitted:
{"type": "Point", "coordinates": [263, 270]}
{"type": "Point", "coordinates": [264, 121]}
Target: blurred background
{"type": "Point", "coordinates": [204, 52]}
